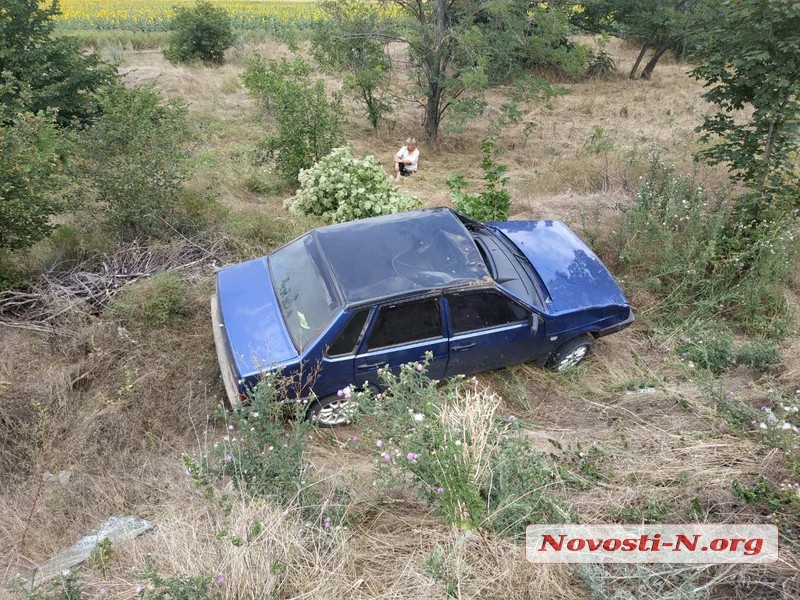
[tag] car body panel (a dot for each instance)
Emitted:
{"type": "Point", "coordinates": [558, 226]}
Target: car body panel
{"type": "Point", "coordinates": [574, 276]}
{"type": "Point", "coordinates": [400, 254]}
{"type": "Point", "coordinates": [252, 321]}
{"type": "Point", "coordinates": [555, 288]}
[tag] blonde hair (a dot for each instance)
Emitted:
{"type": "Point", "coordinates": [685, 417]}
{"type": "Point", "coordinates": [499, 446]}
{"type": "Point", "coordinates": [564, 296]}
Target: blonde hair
{"type": "Point", "coordinates": [411, 142]}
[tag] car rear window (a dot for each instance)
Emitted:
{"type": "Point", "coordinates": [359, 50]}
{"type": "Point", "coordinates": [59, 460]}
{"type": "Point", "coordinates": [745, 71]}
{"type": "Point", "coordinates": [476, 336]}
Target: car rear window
{"type": "Point", "coordinates": [307, 303]}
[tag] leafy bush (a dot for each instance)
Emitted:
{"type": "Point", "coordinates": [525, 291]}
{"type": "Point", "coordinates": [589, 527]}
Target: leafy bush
{"type": "Point", "coordinates": [135, 160]}
{"type": "Point", "coordinates": [41, 72]}
{"type": "Point", "coordinates": [199, 33]}
{"type": "Point", "coordinates": [29, 163]}
{"type": "Point", "coordinates": [309, 125]}
{"type": "Point", "coordinates": [157, 301]}
{"type": "Point", "coordinates": [708, 349]}
{"type": "Point", "coordinates": [345, 43]}
{"type": "Point", "coordinates": [342, 188]}
{"type": "Point", "coordinates": [760, 355]}
{"type": "Point", "coordinates": [493, 203]}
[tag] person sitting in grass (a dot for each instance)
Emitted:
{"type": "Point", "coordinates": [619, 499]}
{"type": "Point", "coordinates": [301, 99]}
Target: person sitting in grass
{"type": "Point", "coordinates": [406, 159]}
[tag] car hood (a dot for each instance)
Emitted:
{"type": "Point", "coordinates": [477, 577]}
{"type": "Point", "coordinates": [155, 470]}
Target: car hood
{"type": "Point", "coordinates": [252, 318]}
{"type": "Point", "coordinates": [573, 275]}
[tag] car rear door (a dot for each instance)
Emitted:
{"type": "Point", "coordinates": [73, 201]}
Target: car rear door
{"type": "Point", "coordinates": [489, 330]}
{"type": "Point", "coordinates": [400, 333]}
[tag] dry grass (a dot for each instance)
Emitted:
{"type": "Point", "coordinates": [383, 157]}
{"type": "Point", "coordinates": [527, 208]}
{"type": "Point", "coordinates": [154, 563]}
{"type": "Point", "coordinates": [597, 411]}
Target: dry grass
{"type": "Point", "coordinates": [117, 408]}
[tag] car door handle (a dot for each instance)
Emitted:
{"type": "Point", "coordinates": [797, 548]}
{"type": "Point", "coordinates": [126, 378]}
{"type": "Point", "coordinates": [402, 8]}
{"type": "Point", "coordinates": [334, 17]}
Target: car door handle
{"type": "Point", "coordinates": [376, 365]}
{"type": "Point", "coordinates": [463, 347]}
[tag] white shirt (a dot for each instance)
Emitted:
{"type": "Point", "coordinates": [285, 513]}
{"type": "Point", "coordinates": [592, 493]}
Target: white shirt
{"type": "Point", "coordinates": [404, 154]}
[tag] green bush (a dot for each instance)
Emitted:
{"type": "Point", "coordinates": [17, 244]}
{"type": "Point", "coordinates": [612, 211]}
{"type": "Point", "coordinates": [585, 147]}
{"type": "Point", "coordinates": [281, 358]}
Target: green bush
{"type": "Point", "coordinates": [308, 124]}
{"type": "Point", "coordinates": [493, 203]}
{"type": "Point", "coordinates": [154, 302]}
{"type": "Point", "coordinates": [708, 348]}
{"type": "Point", "coordinates": [29, 165]}
{"type": "Point", "coordinates": [342, 188]}
{"type": "Point", "coordinates": [41, 72]}
{"type": "Point", "coordinates": [199, 33]}
{"type": "Point", "coordinates": [135, 160]}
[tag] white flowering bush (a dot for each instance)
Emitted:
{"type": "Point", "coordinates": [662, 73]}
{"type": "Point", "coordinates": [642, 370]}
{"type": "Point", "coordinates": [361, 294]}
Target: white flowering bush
{"type": "Point", "coordinates": [342, 188]}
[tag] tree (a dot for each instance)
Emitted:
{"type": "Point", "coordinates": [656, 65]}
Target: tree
{"type": "Point", "coordinates": [30, 159]}
{"type": "Point", "coordinates": [658, 25]}
{"type": "Point", "coordinates": [458, 48]}
{"type": "Point", "coordinates": [752, 60]}
{"type": "Point", "coordinates": [41, 72]}
{"type": "Point", "coordinates": [352, 41]}
{"type": "Point", "coordinates": [202, 32]}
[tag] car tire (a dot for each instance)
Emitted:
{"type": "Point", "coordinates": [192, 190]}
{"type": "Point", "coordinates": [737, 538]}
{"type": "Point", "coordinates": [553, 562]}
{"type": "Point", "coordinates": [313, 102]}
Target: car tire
{"type": "Point", "coordinates": [570, 354]}
{"type": "Point", "coordinates": [331, 411]}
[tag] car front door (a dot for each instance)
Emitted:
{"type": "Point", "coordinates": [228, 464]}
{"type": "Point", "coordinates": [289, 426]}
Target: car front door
{"type": "Point", "coordinates": [489, 330]}
{"type": "Point", "coordinates": [400, 333]}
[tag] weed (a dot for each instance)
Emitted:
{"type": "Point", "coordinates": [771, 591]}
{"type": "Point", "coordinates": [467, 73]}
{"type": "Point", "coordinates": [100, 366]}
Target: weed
{"type": "Point", "coordinates": [707, 348]}
{"type": "Point", "coordinates": [493, 203]}
{"type": "Point", "coordinates": [263, 451]}
{"type": "Point", "coordinates": [67, 586]}
{"type": "Point", "coordinates": [177, 586]}
{"type": "Point", "coordinates": [448, 444]}
{"type": "Point", "coordinates": [151, 303]}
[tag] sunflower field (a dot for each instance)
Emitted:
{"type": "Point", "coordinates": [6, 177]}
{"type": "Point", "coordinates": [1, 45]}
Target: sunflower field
{"type": "Point", "coordinates": [154, 15]}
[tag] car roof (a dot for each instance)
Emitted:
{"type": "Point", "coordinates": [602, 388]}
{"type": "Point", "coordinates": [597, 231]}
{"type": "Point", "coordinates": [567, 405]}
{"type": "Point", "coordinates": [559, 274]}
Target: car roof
{"type": "Point", "coordinates": [400, 254]}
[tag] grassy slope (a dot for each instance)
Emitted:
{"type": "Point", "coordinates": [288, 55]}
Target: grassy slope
{"type": "Point", "coordinates": [117, 409]}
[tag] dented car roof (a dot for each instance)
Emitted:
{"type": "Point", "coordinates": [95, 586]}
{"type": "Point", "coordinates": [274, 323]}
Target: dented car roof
{"type": "Point", "coordinates": [400, 254]}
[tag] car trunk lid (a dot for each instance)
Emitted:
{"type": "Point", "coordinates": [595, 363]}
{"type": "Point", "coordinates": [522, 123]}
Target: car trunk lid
{"type": "Point", "coordinates": [251, 318]}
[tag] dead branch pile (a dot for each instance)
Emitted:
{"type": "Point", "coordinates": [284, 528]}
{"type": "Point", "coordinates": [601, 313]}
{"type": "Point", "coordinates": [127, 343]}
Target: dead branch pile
{"type": "Point", "coordinates": [90, 285]}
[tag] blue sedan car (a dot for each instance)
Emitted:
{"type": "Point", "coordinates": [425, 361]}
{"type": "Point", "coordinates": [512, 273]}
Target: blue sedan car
{"type": "Point", "coordinates": [345, 300]}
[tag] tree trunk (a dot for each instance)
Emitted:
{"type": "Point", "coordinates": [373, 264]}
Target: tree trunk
{"type": "Point", "coordinates": [651, 64]}
{"type": "Point", "coordinates": [436, 69]}
{"type": "Point", "coordinates": [639, 58]}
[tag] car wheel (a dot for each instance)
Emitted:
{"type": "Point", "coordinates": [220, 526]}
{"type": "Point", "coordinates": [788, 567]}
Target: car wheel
{"type": "Point", "coordinates": [331, 411]}
{"type": "Point", "coordinates": [570, 354]}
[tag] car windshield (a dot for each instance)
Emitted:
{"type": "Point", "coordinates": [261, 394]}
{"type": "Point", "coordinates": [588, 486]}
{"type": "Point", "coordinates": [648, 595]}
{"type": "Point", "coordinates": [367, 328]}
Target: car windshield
{"type": "Point", "coordinates": [307, 303]}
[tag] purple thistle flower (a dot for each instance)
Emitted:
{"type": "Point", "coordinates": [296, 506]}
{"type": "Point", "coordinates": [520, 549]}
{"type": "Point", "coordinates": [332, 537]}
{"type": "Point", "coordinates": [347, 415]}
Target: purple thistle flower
{"type": "Point", "coordinates": [218, 579]}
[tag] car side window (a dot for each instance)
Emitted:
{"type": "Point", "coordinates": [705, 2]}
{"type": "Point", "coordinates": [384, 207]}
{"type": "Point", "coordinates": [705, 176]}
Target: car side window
{"type": "Point", "coordinates": [347, 339]}
{"type": "Point", "coordinates": [471, 311]}
{"type": "Point", "coordinates": [405, 323]}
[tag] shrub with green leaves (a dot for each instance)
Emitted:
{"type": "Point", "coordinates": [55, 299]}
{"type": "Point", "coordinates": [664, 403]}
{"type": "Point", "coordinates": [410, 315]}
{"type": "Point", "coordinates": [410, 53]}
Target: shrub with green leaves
{"type": "Point", "coordinates": [342, 188]}
{"type": "Point", "coordinates": [683, 245]}
{"type": "Point", "coordinates": [29, 164]}
{"type": "Point", "coordinates": [202, 32]}
{"type": "Point", "coordinates": [493, 203]}
{"type": "Point", "coordinates": [40, 71]}
{"type": "Point", "coordinates": [135, 160]}
{"type": "Point", "coordinates": [308, 124]}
